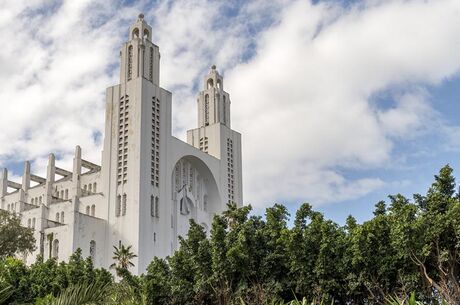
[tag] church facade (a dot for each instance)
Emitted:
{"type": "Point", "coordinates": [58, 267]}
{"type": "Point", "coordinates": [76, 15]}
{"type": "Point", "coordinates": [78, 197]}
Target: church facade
{"type": "Point", "coordinates": [149, 184]}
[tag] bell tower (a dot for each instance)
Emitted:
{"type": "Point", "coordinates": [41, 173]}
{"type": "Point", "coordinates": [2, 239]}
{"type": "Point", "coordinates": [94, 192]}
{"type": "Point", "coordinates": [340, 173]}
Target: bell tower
{"type": "Point", "coordinates": [213, 101]}
{"type": "Point", "coordinates": [215, 137]}
{"type": "Point", "coordinates": [138, 124]}
{"type": "Point", "coordinates": [139, 56]}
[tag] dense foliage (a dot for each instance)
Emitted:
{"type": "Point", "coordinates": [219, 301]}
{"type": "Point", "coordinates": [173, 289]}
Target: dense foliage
{"type": "Point", "coordinates": [13, 237]}
{"type": "Point", "coordinates": [408, 246]}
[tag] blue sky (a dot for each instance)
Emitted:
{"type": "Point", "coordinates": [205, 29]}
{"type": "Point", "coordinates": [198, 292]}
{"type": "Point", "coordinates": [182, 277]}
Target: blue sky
{"type": "Point", "coordinates": [340, 103]}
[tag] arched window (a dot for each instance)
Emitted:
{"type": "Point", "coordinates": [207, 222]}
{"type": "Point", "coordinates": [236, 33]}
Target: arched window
{"type": "Point", "coordinates": [56, 249]}
{"type": "Point", "coordinates": [219, 84]}
{"type": "Point", "coordinates": [210, 83]}
{"type": "Point", "coordinates": [40, 199]}
{"type": "Point", "coordinates": [93, 210]}
{"type": "Point", "coordinates": [90, 188]}
{"type": "Point", "coordinates": [124, 205]}
{"type": "Point", "coordinates": [92, 250]}
{"type": "Point", "coordinates": [136, 33]}
{"type": "Point", "coordinates": [66, 194]}
{"type": "Point", "coordinates": [130, 62]}
{"type": "Point", "coordinates": [57, 217]}
{"type": "Point", "coordinates": [95, 187]}
{"type": "Point", "coordinates": [62, 217]}
{"type": "Point", "coordinates": [206, 110]}
{"type": "Point", "coordinates": [33, 223]}
{"type": "Point", "coordinates": [146, 34]}
{"type": "Point", "coordinates": [62, 194]}
{"type": "Point", "coordinates": [118, 206]}
{"type": "Point", "coordinates": [87, 210]}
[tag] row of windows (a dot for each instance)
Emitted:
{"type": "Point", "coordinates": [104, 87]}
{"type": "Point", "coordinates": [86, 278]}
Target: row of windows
{"type": "Point", "coordinates": [230, 177]}
{"type": "Point", "coordinates": [31, 223]}
{"type": "Point", "coordinates": [155, 144]}
{"type": "Point", "coordinates": [12, 207]}
{"type": "Point", "coordinates": [60, 217]}
{"type": "Point", "coordinates": [63, 194]}
{"type": "Point", "coordinates": [120, 206]}
{"type": "Point", "coordinates": [122, 170]}
{"type": "Point", "coordinates": [91, 187]}
{"type": "Point", "coordinates": [36, 200]}
{"type": "Point", "coordinates": [91, 210]}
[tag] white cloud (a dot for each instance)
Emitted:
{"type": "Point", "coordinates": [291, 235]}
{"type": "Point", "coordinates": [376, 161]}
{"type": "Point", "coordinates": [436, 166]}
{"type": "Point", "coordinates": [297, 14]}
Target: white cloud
{"type": "Point", "coordinates": [304, 101]}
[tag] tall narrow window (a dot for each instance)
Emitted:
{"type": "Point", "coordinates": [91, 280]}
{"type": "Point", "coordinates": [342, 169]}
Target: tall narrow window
{"type": "Point", "coordinates": [66, 194]}
{"type": "Point", "coordinates": [92, 250]}
{"type": "Point", "coordinates": [124, 205]}
{"type": "Point", "coordinates": [56, 249]}
{"type": "Point", "coordinates": [93, 210]}
{"type": "Point", "coordinates": [151, 65]}
{"type": "Point", "coordinates": [94, 187]}
{"type": "Point", "coordinates": [130, 62]}
{"type": "Point", "coordinates": [206, 110]}
{"type": "Point", "coordinates": [225, 110]}
{"type": "Point", "coordinates": [90, 188]}
{"type": "Point", "coordinates": [118, 206]}
{"type": "Point", "coordinates": [152, 206]}
{"type": "Point", "coordinates": [33, 223]}
{"type": "Point", "coordinates": [62, 217]}
{"type": "Point", "coordinates": [157, 207]}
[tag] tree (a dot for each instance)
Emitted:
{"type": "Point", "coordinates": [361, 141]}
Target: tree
{"type": "Point", "coordinates": [13, 237]}
{"type": "Point", "coordinates": [122, 257]}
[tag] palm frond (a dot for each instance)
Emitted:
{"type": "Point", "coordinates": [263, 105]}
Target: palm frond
{"type": "Point", "coordinates": [5, 294]}
{"type": "Point", "coordinates": [83, 294]}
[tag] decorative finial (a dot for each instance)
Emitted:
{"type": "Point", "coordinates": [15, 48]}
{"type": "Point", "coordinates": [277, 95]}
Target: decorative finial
{"type": "Point", "coordinates": [213, 67]}
{"type": "Point", "coordinates": [141, 16]}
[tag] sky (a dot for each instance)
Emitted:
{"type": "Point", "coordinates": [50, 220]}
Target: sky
{"type": "Point", "coordinates": [340, 103]}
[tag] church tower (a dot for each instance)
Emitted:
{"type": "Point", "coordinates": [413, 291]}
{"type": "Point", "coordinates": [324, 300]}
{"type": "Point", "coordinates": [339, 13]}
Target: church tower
{"type": "Point", "coordinates": [138, 123]}
{"type": "Point", "coordinates": [215, 137]}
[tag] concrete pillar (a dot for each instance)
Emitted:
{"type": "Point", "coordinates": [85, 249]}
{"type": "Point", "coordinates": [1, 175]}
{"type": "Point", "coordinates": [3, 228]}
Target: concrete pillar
{"type": "Point", "coordinates": [26, 177]}
{"type": "Point", "coordinates": [50, 176]}
{"type": "Point", "coordinates": [3, 182]}
{"type": "Point", "coordinates": [76, 189]}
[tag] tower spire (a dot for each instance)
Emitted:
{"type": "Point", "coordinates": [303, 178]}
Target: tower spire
{"type": "Point", "coordinates": [213, 101]}
{"type": "Point", "coordinates": [139, 56]}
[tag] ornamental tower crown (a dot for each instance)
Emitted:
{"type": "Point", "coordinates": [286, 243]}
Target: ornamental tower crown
{"type": "Point", "coordinates": [139, 57]}
{"type": "Point", "coordinates": [213, 101]}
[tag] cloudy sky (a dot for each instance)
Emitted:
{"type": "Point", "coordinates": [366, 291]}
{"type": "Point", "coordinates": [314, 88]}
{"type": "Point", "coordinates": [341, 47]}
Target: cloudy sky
{"type": "Point", "coordinates": [340, 103]}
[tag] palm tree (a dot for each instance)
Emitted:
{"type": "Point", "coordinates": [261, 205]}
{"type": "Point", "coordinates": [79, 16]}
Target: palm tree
{"type": "Point", "coordinates": [122, 257]}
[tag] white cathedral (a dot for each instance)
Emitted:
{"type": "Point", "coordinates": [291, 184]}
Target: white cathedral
{"type": "Point", "coordinates": [150, 183]}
